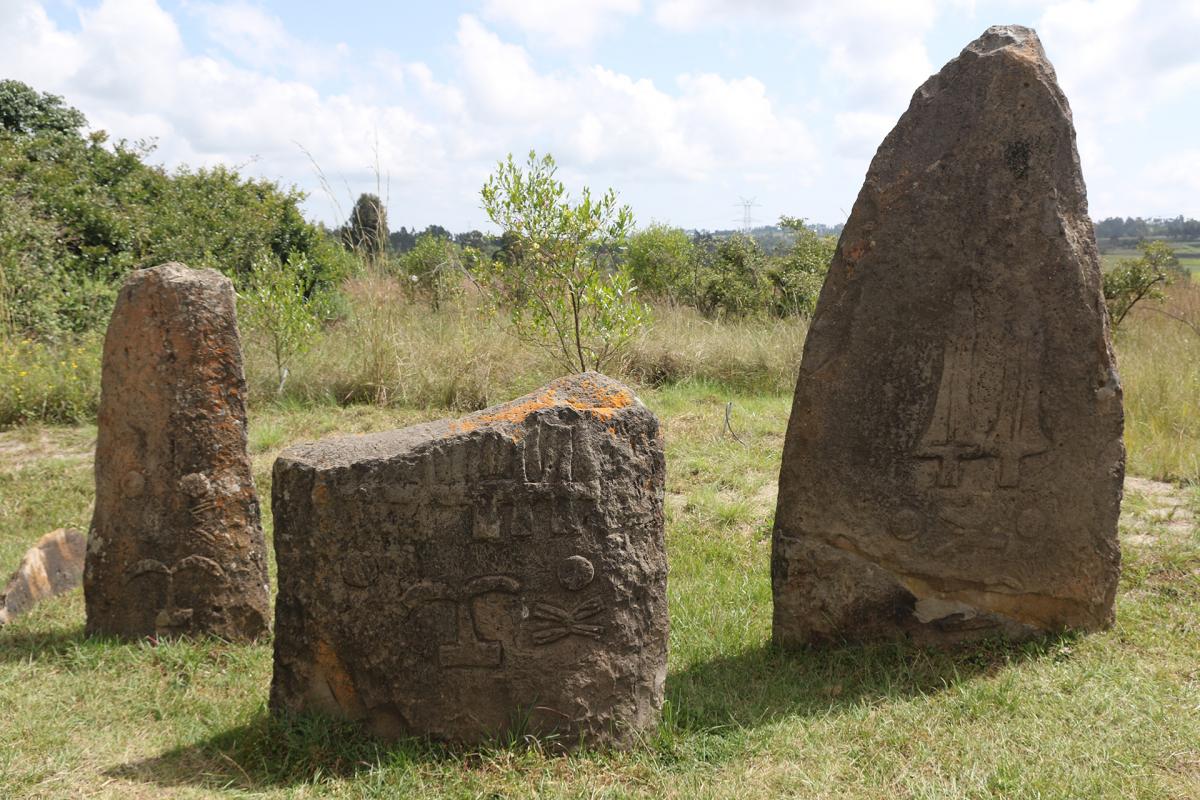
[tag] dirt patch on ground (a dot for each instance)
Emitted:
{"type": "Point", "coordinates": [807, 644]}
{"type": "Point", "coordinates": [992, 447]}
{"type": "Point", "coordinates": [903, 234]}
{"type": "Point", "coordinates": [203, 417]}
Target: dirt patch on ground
{"type": "Point", "coordinates": [1154, 509]}
{"type": "Point", "coordinates": [24, 447]}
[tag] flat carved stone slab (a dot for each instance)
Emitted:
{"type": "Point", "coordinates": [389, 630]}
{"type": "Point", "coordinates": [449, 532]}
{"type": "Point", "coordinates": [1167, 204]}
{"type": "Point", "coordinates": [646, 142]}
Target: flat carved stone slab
{"type": "Point", "coordinates": [466, 580]}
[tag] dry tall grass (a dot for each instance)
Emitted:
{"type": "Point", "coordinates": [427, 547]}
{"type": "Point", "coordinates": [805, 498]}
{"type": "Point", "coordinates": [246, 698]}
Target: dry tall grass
{"type": "Point", "coordinates": [390, 350]}
{"type": "Point", "coordinates": [1158, 351]}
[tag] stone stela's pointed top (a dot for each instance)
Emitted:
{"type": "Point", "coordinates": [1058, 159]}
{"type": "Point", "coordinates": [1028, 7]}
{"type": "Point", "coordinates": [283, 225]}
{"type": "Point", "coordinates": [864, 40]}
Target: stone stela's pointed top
{"type": "Point", "coordinates": [953, 462]}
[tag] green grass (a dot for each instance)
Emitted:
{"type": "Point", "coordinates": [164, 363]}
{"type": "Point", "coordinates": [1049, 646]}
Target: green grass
{"type": "Point", "coordinates": [1159, 361]}
{"type": "Point", "coordinates": [1188, 254]}
{"type": "Point", "coordinates": [1115, 714]}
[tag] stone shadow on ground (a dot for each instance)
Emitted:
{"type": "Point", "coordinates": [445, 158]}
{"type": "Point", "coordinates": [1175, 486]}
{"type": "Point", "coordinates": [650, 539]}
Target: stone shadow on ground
{"type": "Point", "coordinates": [20, 644]}
{"type": "Point", "coordinates": [764, 684]}
{"type": "Point", "coordinates": [268, 752]}
{"type": "Point", "coordinates": [759, 686]}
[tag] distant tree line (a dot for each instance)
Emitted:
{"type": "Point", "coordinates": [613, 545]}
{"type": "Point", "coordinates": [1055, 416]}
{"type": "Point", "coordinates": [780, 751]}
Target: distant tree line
{"type": "Point", "coordinates": [1135, 228]}
{"type": "Point", "coordinates": [773, 269]}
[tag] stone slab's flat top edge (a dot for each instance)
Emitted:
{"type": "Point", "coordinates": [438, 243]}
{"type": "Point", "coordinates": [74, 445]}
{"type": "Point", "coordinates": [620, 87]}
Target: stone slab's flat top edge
{"type": "Point", "coordinates": [591, 393]}
{"type": "Point", "coordinates": [176, 272]}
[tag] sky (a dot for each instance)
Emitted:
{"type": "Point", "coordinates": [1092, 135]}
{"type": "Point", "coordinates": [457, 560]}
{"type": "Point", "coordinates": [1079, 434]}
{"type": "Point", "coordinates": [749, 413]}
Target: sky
{"type": "Point", "coordinates": [684, 107]}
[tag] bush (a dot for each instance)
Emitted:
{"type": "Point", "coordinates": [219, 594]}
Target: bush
{"type": "Point", "coordinates": [662, 263]}
{"type": "Point", "coordinates": [1136, 279]}
{"type": "Point", "coordinates": [49, 382]}
{"type": "Point", "coordinates": [78, 213]}
{"type": "Point", "coordinates": [798, 276]}
{"type": "Point", "coordinates": [435, 268]}
{"type": "Point", "coordinates": [278, 312]}
{"type": "Point", "coordinates": [732, 280]}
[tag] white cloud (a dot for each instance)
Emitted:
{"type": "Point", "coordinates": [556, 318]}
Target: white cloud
{"type": "Point", "coordinates": [1122, 58]}
{"type": "Point", "coordinates": [31, 44]}
{"type": "Point", "coordinates": [679, 146]}
{"type": "Point", "coordinates": [860, 132]}
{"type": "Point", "coordinates": [874, 50]}
{"type": "Point", "coordinates": [500, 77]}
{"type": "Point", "coordinates": [602, 118]}
{"type": "Point", "coordinates": [1170, 185]}
{"type": "Point", "coordinates": [1122, 64]}
{"type": "Point", "coordinates": [128, 69]}
{"type": "Point", "coordinates": [561, 24]}
{"type": "Point", "coordinates": [259, 40]}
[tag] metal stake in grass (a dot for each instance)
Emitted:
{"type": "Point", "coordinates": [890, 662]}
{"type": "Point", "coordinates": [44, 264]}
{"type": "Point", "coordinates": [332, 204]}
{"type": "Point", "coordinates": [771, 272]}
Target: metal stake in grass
{"type": "Point", "coordinates": [729, 426]}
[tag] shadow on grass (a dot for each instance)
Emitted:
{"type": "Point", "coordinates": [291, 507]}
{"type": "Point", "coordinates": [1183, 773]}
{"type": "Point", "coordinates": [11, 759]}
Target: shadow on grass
{"type": "Point", "coordinates": [274, 752]}
{"type": "Point", "coordinates": [21, 644]}
{"type": "Point", "coordinates": [762, 685]}
{"type": "Point", "coordinates": [715, 699]}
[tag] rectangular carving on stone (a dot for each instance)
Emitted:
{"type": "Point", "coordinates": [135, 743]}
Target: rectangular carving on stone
{"type": "Point", "coordinates": [467, 603]}
{"type": "Point", "coordinates": [953, 462]}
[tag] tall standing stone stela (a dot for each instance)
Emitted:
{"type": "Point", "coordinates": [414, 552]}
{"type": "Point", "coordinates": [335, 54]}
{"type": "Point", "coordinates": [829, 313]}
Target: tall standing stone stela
{"type": "Point", "coordinates": [468, 580]}
{"type": "Point", "coordinates": [953, 463]}
{"type": "Point", "coordinates": [175, 546]}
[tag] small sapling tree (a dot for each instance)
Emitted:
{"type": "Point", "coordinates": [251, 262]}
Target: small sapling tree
{"type": "Point", "coordinates": [274, 305]}
{"type": "Point", "coordinates": [1137, 279]}
{"type": "Point", "coordinates": [559, 274]}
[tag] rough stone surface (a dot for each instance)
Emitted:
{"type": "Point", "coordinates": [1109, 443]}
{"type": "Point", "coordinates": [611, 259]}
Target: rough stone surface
{"type": "Point", "coordinates": [176, 546]}
{"type": "Point", "coordinates": [52, 566]}
{"type": "Point", "coordinates": [474, 579]}
{"type": "Point", "coordinates": [953, 462]}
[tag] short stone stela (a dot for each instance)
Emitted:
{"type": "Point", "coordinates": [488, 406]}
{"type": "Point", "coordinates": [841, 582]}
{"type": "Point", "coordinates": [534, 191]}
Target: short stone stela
{"type": "Point", "coordinates": [513, 556]}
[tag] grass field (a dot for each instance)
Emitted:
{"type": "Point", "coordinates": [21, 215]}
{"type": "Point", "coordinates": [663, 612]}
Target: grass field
{"type": "Point", "coordinates": [1188, 254]}
{"type": "Point", "coordinates": [1115, 714]}
{"type": "Point", "coordinates": [1110, 715]}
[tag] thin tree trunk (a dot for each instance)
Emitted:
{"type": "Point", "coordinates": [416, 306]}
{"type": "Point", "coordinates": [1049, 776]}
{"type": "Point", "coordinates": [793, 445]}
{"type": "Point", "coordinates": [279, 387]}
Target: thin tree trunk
{"type": "Point", "coordinates": [578, 343]}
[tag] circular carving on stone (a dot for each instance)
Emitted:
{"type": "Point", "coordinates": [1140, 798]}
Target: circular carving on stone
{"type": "Point", "coordinates": [195, 484]}
{"type": "Point", "coordinates": [575, 572]}
{"type": "Point", "coordinates": [1031, 524]}
{"type": "Point", "coordinates": [905, 525]}
{"type": "Point", "coordinates": [359, 570]}
{"type": "Point", "coordinates": [133, 483]}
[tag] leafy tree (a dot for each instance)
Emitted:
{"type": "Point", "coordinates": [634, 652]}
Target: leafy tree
{"type": "Point", "coordinates": [1137, 279]}
{"type": "Point", "coordinates": [799, 274]}
{"type": "Point", "coordinates": [661, 262]}
{"type": "Point", "coordinates": [403, 240]}
{"type": "Point", "coordinates": [732, 282]}
{"type": "Point", "coordinates": [78, 212]}
{"type": "Point", "coordinates": [273, 305]}
{"type": "Point", "coordinates": [366, 232]}
{"type": "Point", "coordinates": [25, 111]}
{"type": "Point", "coordinates": [436, 268]}
{"type": "Point", "coordinates": [565, 289]}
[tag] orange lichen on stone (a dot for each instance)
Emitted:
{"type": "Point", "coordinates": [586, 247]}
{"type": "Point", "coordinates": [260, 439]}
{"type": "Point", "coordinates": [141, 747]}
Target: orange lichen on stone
{"type": "Point", "coordinates": [591, 397]}
{"type": "Point", "coordinates": [331, 670]}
